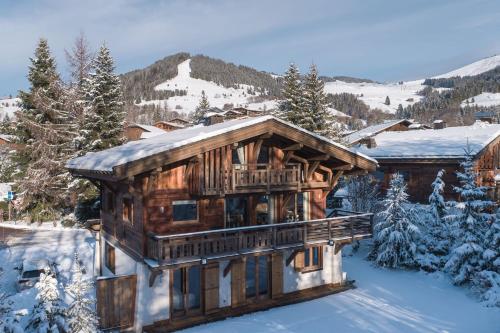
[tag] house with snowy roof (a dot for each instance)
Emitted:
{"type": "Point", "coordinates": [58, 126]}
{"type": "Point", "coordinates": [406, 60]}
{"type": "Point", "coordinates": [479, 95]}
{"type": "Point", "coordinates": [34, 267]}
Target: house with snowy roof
{"type": "Point", "coordinates": [419, 155]}
{"type": "Point", "coordinates": [386, 126]}
{"type": "Point", "coordinates": [134, 132]}
{"type": "Point", "coordinates": [208, 222]}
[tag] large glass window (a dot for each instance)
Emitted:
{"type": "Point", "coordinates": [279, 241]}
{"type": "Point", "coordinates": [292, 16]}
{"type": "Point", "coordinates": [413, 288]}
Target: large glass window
{"type": "Point", "coordinates": [236, 212]}
{"type": "Point", "coordinates": [295, 207]}
{"type": "Point", "coordinates": [257, 277]}
{"type": "Point", "coordinates": [186, 289]}
{"type": "Point", "coordinates": [262, 210]}
{"type": "Point", "coordinates": [184, 210]}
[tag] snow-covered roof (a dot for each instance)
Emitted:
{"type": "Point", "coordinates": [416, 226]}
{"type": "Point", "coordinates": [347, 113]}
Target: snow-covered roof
{"type": "Point", "coordinates": [442, 143]}
{"type": "Point", "coordinates": [149, 131]}
{"type": "Point", "coordinates": [106, 160]}
{"type": "Point", "coordinates": [372, 130]}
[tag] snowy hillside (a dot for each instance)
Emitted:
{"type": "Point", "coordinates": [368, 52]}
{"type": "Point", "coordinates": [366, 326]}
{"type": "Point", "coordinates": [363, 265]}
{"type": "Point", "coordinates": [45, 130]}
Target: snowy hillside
{"type": "Point", "coordinates": [8, 106]}
{"type": "Point", "coordinates": [485, 99]}
{"type": "Point", "coordinates": [374, 94]}
{"type": "Point", "coordinates": [217, 95]}
{"type": "Point", "coordinates": [475, 68]}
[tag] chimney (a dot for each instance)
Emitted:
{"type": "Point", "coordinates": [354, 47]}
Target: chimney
{"type": "Point", "coordinates": [439, 124]}
{"type": "Point", "coordinates": [371, 143]}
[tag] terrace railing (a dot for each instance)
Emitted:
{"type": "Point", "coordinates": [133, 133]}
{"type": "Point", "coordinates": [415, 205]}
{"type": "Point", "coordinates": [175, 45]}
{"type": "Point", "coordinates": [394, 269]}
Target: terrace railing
{"type": "Point", "coordinates": [167, 250]}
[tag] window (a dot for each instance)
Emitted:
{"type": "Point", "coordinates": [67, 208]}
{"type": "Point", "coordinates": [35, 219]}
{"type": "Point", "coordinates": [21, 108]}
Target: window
{"type": "Point", "coordinates": [186, 290]}
{"type": "Point", "coordinates": [263, 155]}
{"type": "Point", "coordinates": [184, 210]}
{"type": "Point", "coordinates": [295, 207]}
{"type": "Point", "coordinates": [257, 277]}
{"type": "Point", "coordinates": [109, 257]}
{"type": "Point", "coordinates": [262, 210]}
{"type": "Point", "coordinates": [311, 259]}
{"type": "Point", "coordinates": [236, 212]}
{"type": "Point", "coordinates": [128, 210]}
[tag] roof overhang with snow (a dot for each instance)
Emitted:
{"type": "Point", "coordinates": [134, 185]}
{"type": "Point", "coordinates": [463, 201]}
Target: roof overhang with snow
{"type": "Point", "coordinates": [370, 131]}
{"type": "Point", "coordinates": [141, 156]}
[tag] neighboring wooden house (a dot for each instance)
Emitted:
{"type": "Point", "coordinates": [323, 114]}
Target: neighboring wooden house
{"type": "Point", "coordinates": [386, 126]}
{"type": "Point", "coordinates": [169, 126]}
{"type": "Point", "coordinates": [138, 131]}
{"type": "Point", "coordinates": [419, 155]}
{"type": "Point", "coordinates": [204, 223]}
{"type": "Point", "coordinates": [251, 113]}
{"type": "Point", "coordinates": [492, 117]}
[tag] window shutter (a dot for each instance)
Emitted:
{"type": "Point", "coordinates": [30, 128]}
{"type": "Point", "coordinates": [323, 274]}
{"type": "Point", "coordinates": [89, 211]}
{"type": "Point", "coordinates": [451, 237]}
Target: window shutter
{"type": "Point", "coordinates": [299, 261]}
{"type": "Point", "coordinates": [277, 275]}
{"type": "Point", "coordinates": [211, 287]}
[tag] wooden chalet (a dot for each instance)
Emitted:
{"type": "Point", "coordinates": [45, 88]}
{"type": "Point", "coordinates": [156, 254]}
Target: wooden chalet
{"type": "Point", "coordinates": [419, 155]}
{"type": "Point", "coordinates": [169, 126]}
{"type": "Point", "coordinates": [138, 131]}
{"type": "Point", "coordinates": [364, 134]}
{"type": "Point", "coordinates": [213, 221]}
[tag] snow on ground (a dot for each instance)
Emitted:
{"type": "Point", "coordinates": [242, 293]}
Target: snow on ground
{"type": "Point", "coordinates": [385, 301]}
{"type": "Point", "coordinates": [8, 106]}
{"type": "Point", "coordinates": [374, 94]}
{"type": "Point", "coordinates": [57, 246]}
{"type": "Point", "coordinates": [217, 95]}
{"type": "Point", "coordinates": [485, 99]}
{"type": "Point", "coordinates": [475, 68]}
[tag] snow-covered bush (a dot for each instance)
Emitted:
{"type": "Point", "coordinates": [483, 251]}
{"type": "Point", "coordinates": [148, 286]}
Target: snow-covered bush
{"type": "Point", "coordinates": [81, 316]}
{"type": "Point", "coordinates": [469, 224]}
{"type": "Point", "coordinates": [48, 314]}
{"type": "Point", "coordinates": [394, 231]}
{"type": "Point", "coordinates": [9, 321]}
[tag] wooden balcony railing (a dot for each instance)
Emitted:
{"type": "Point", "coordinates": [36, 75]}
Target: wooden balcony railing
{"type": "Point", "coordinates": [246, 178]}
{"type": "Point", "coordinates": [213, 244]}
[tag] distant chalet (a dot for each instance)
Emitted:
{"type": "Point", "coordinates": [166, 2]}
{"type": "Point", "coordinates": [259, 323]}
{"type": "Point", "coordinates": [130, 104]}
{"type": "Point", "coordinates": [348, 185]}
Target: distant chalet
{"type": "Point", "coordinates": [207, 222]}
{"type": "Point", "coordinates": [419, 154]}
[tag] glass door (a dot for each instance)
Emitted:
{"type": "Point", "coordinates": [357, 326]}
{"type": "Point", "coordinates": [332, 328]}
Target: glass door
{"type": "Point", "coordinates": [186, 291]}
{"type": "Point", "coordinates": [257, 277]}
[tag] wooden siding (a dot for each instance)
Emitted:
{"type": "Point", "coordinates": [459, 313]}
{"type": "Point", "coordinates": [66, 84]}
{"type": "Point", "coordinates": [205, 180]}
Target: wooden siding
{"type": "Point", "coordinates": [116, 302]}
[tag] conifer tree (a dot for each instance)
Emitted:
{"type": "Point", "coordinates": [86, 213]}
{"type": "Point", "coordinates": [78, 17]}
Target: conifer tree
{"type": "Point", "coordinates": [81, 316]}
{"type": "Point", "coordinates": [46, 131]}
{"type": "Point", "coordinates": [292, 105]}
{"type": "Point", "coordinates": [469, 224]}
{"type": "Point", "coordinates": [395, 233]}
{"type": "Point", "coordinates": [104, 115]}
{"type": "Point", "coordinates": [202, 108]}
{"type": "Point", "coordinates": [48, 313]}
{"type": "Point", "coordinates": [436, 200]}
{"type": "Point", "coordinates": [387, 100]}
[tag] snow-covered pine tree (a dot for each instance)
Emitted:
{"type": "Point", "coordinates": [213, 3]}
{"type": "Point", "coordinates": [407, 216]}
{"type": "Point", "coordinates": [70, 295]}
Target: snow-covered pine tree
{"type": "Point", "coordinates": [434, 244]}
{"type": "Point", "coordinates": [394, 232]}
{"type": "Point", "coordinates": [316, 116]}
{"type": "Point", "coordinates": [81, 315]}
{"type": "Point", "coordinates": [48, 313]}
{"type": "Point", "coordinates": [201, 109]}
{"type": "Point", "coordinates": [104, 115]}
{"type": "Point", "coordinates": [487, 281]}
{"type": "Point", "coordinates": [46, 130]}
{"type": "Point", "coordinates": [292, 105]}
{"type": "Point", "coordinates": [469, 223]}
{"type": "Point", "coordinates": [387, 100]}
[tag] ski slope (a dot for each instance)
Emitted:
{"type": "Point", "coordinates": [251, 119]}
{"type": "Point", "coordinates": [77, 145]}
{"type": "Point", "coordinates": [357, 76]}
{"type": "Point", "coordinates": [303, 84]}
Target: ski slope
{"type": "Point", "coordinates": [217, 95]}
{"type": "Point", "coordinates": [475, 68]}
{"type": "Point", "coordinates": [485, 99]}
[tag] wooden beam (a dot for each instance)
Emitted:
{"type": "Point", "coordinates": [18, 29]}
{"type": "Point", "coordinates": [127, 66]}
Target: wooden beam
{"type": "Point", "coordinates": [295, 146]}
{"type": "Point", "coordinates": [152, 277]}
{"type": "Point", "coordinates": [267, 135]}
{"type": "Point", "coordinates": [320, 158]}
{"type": "Point", "coordinates": [227, 269]}
{"type": "Point", "coordinates": [312, 169]}
{"type": "Point", "coordinates": [291, 257]}
{"type": "Point", "coordinates": [298, 158]}
{"type": "Point", "coordinates": [256, 149]}
{"type": "Point", "coordinates": [338, 246]}
{"type": "Point", "coordinates": [335, 179]}
{"type": "Point", "coordinates": [344, 167]}
{"type": "Point", "coordinates": [288, 156]}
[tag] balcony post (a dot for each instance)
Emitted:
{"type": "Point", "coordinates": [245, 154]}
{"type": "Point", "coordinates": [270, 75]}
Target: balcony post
{"type": "Point", "coordinates": [275, 236]}
{"type": "Point", "coordinates": [352, 227]}
{"type": "Point", "coordinates": [159, 244]}
{"type": "Point", "coordinates": [329, 229]}
{"type": "Point", "coordinates": [305, 233]}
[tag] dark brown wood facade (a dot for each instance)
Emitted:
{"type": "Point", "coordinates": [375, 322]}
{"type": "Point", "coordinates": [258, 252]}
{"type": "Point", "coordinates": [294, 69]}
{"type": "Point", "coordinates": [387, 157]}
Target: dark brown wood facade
{"type": "Point", "coordinates": [419, 173]}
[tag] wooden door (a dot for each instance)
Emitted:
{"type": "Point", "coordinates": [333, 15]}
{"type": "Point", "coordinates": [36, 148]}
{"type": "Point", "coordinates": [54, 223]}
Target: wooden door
{"type": "Point", "coordinates": [211, 287]}
{"type": "Point", "coordinates": [116, 301]}
{"type": "Point", "coordinates": [238, 283]}
{"type": "Point", "coordinates": [276, 274]}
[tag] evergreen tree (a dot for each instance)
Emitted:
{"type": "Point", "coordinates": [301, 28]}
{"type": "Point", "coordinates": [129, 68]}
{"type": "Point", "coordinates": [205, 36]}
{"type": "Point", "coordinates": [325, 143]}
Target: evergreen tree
{"type": "Point", "coordinates": [104, 117]}
{"type": "Point", "coordinates": [436, 200]}
{"type": "Point", "coordinates": [202, 108]}
{"type": "Point", "coordinates": [469, 223]}
{"type": "Point", "coordinates": [292, 105]}
{"type": "Point", "coordinates": [387, 100]}
{"type": "Point", "coordinates": [81, 316]}
{"type": "Point", "coordinates": [9, 321]}
{"type": "Point", "coordinates": [46, 131]}
{"type": "Point", "coordinates": [48, 314]}
{"type": "Point", "coordinates": [394, 232]}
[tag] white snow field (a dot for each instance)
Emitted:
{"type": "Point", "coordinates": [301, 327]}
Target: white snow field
{"type": "Point", "coordinates": [217, 95]}
{"type": "Point", "coordinates": [475, 68]}
{"type": "Point", "coordinates": [8, 106]}
{"type": "Point", "coordinates": [55, 244]}
{"type": "Point", "coordinates": [485, 99]}
{"type": "Point", "coordinates": [385, 301]}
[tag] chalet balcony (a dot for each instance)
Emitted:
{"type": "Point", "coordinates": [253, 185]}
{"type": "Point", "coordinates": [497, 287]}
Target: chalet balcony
{"type": "Point", "coordinates": [343, 227]}
{"type": "Point", "coordinates": [249, 178]}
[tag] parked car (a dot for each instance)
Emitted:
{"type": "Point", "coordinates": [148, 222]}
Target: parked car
{"type": "Point", "coordinates": [30, 270]}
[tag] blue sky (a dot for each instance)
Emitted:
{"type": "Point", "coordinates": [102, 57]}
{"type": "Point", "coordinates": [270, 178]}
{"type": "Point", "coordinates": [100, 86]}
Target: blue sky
{"type": "Point", "coordinates": [384, 40]}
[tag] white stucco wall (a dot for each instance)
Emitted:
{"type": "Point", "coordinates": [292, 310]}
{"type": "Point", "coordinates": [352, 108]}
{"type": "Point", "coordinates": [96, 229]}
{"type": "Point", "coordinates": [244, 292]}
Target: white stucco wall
{"type": "Point", "coordinates": [331, 272]}
{"type": "Point", "coordinates": [224, 285]}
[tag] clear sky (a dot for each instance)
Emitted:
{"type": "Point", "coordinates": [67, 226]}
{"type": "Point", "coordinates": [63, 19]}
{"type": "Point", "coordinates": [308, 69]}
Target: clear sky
{"type": "Point", "coordinates": [384, 40]}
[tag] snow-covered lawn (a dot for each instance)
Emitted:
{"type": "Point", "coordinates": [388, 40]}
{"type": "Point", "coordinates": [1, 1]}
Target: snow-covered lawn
{"type": "Point", "coordinates": [385, 301]}
{"type": "Point", "coordinates": [57, 245]}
